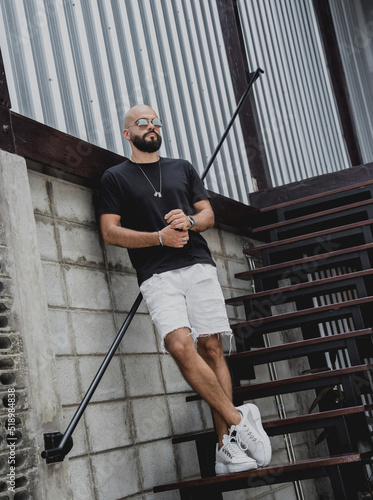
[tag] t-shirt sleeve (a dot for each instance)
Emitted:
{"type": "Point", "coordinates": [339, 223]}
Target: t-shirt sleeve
{"type": "Point", "coordinates": [199, 192]}
{"type": "Point", "coordinates": [109, 199]}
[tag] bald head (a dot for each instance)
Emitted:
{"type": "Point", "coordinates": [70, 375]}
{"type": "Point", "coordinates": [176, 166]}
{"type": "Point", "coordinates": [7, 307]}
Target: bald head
{"type": "Point", "coordinates": [138, 111]}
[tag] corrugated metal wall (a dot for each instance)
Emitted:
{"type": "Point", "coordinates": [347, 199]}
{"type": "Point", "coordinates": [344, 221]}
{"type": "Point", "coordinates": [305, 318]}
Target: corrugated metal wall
{"type": "Point", "coordinates": [354, 30]}
{"type": "Point", "coordinates": [79, 65]}
{"type": "Point", "coordinates": [302, 133]}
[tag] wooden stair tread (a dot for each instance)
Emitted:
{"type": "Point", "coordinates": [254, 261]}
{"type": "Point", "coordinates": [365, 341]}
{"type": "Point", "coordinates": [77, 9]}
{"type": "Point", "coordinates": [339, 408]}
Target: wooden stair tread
{"type": "Point", "coordinates": [303, 378]}
{"type": "Point", "coordinates": [301, 344]}
{"type": "Point", "coordinates": [270, 470]}
{"type": "Point", "coordinates": [308, 236]}
{"type": "Point", "coordinates": [270, 424]}
{"type": "Point", "coordinates": [316, 196]}
{"type": "Point", "coordinates": [315, 215]}
{"type": "Point", "coordinates": [298, 286]}
{"type": "Point", "coordinates": [303, 260]}
{"type": "Point", "coordinates": [291, 382]}
{"type": "Point", "coordinates": [302, 312]}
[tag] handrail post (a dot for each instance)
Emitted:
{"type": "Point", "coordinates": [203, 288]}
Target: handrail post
{"type": "Point", "coordinates": [252, 78]}
{"type": "Point", "coordinates": [58, 445]}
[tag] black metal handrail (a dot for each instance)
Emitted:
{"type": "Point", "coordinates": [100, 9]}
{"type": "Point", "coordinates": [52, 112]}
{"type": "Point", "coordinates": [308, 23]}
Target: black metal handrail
{"type": "Point", "coordinates": [252, 77]}
{"type": "Point", "coordinates": [58, 445]}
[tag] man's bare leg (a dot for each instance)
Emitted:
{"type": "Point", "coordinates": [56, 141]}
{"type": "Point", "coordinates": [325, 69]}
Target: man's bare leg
{"type": "Point", "coordinates": [201, 377]}
{"type": "Point", "coordinates": [211, 350]}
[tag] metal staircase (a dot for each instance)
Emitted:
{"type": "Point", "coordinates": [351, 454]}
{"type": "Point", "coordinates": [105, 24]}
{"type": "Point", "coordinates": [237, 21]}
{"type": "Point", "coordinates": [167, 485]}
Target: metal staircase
{"type": "Point", "coordinates": [317, 278]}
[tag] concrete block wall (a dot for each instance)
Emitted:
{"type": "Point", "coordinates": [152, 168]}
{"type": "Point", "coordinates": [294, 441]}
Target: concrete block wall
{"type": "Point", "coordinates": [81, 291]}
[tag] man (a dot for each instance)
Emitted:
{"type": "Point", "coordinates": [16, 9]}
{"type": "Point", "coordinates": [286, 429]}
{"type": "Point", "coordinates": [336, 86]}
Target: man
{"type": "Point", "coordinates": [157, 208]}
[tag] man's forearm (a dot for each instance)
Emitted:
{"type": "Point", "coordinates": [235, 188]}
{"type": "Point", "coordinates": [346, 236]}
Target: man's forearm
{"type": "Point", "coordinates": [128, 238]}
{"type": "Point", "coordinates": [204, 220]}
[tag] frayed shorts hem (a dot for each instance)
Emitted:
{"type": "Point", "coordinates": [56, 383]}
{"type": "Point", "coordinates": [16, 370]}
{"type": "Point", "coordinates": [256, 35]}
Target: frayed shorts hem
{"type": "Point", "coordinates": [189, 297]}
{"type": "Point", "coordinates": [195, 336]}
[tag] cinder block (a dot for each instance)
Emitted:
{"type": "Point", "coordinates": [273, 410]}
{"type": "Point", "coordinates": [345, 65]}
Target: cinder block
{"type": "Point", "coordinates": [80, 245]}
{"type": "Point", "coordinates": [54, 285]}
{"type": "Point", "coordinates": [46, 238]}
{"type": "Point", "coordinates": [173, 379]}
{"type": "Point", "coordinates": [233, 245]}
{"type": "Point", "coordinates": [185, 417]}
{"type": "Point", "coordinates": [118, 259]}
{"type": "Point", "coordinates": [267, 407]}
{"type": "Point", "coordinates": [81, 478]}
{"type": "Point", "coordinates": [94, 332]}
{"type": "Point", "coordinates": [67, 381]}
{"type": "Point", "coordinates": [2, 235]}
{"type": "Point", "coordinates": [73, 203]}
{"type": "Point", "coordinates": [263, 493]}
{"type": "Point", "coordinates": [262, 373]}
{"type": "Point", "coordinates": [206, 414]}
{"type": "Point", "coordinates": [157, 463]}
{"type": "Point", "coordinates": [39, 187]}
{"type": "Point", "coordinates": [116, 474]}
{"type": "Point", "coordinates": [80, 433]}
{"type": "Point", "coordinates": [234, 267]}
{"type": "Point", "coordinates": [111, 385]}
{"type": "Point", "coordinates": [221, 268]}
{"type": "Point", "coordinates": [140, 336]}
{"type": "Point", "coordinates": [60, 330]}
{"type": "Point", "coordinates": [143, 375]}
{"type": "Point", "coordinates": [187, 459]}
{"type": "Point", "coordinates": [151, 418]}
{"type": "Point", "coordinates": [108, 425]}
{"type": "Point", "coordinates": [286, 491]}
{"type": "Point", "coordinates": [212, 236]}
{"type": "Point", "coordinates": [87, 288]}
{"type": "Point", "coordinates": [125, 289]}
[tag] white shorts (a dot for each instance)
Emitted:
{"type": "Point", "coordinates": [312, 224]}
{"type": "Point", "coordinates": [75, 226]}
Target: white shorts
{"type": "Point", "coordinates": [190, 297]}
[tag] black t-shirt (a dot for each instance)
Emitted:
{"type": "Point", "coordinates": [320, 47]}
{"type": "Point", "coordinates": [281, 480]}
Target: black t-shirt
{"type": "Point", "coordinates": [125, 191]}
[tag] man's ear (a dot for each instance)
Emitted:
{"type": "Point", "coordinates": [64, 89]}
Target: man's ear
{"type": "Point", "coordinates": [126, 134]}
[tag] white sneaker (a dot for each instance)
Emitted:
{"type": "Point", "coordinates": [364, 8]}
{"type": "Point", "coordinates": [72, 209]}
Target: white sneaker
{"type": "Point", "coordinates": [231, 458]}
{"type": "Point", "coordinates": [251, 436]}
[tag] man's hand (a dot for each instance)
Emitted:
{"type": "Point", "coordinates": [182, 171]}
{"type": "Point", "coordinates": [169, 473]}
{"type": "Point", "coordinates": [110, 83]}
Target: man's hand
{"type": "Point", "coordinates": [174, 238]}
{"type": "Point", "coordinates": [178, 220]}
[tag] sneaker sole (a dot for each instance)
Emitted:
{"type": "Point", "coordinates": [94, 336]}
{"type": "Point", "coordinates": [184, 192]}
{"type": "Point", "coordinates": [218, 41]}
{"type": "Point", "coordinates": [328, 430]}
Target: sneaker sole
{"type": "Point", "coordinates": [255, 417]}
{"type": "Point", "coordinates": [221, 469]}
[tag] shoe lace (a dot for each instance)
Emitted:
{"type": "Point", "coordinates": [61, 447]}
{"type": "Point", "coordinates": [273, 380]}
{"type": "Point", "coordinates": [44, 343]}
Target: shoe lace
{"type": "Point", "coordinates": [244, 436]}
{"type": "Point", "coordinates": [233, 445]}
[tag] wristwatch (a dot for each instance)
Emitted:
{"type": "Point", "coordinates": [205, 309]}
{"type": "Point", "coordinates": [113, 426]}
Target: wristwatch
{"type": "Point", "coordinates": [192, 221]}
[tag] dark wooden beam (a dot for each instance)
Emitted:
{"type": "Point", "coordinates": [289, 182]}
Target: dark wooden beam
{"type": "Point", "coordinates": [53, 152]}
{"type": "Point", "coordinates": [337, 74]}
{"type": "Point", "coordinates": [4, 91]}
{"type": "Point", "coordinates": [233, 214]}
{"type": "Point", "coordinates": [235, 49]}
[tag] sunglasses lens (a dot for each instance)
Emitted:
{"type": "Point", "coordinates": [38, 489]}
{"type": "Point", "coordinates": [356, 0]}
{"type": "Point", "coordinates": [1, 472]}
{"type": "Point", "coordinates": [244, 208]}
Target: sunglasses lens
{"type": "Point", "coordinates": [157, 122]}
{"type": "Point", "coordinates": [142, 122]}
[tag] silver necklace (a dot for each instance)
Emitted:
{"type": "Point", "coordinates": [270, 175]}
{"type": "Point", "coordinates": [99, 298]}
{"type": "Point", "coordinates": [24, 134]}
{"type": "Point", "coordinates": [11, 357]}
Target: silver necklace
{"type": "Point", "coordinates": [156, 193]}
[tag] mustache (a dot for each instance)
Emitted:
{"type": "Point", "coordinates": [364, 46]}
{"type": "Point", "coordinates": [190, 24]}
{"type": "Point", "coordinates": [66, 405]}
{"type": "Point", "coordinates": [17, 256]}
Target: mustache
{"type": "Point", "coordinates": [152, 132]}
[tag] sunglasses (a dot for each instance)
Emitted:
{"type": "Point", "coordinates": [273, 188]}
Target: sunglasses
{"type": "Point", "coordinates": [143, 122]}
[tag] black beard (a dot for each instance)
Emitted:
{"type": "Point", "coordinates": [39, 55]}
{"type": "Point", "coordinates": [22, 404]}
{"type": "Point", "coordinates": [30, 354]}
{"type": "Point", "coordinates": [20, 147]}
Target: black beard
{"type": "Point", "coordinates": [147, 146]}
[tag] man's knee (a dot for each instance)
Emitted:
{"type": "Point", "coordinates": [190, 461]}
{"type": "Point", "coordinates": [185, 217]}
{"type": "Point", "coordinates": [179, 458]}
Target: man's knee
{"type": "Point", "coordinates": [211, 349]}
{"type": "Point", "coordinates": [179, 343]}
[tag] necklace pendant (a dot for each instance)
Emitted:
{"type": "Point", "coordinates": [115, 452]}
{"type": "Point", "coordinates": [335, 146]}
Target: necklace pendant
{"type": "Point", "coordinates": [157, 193]}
